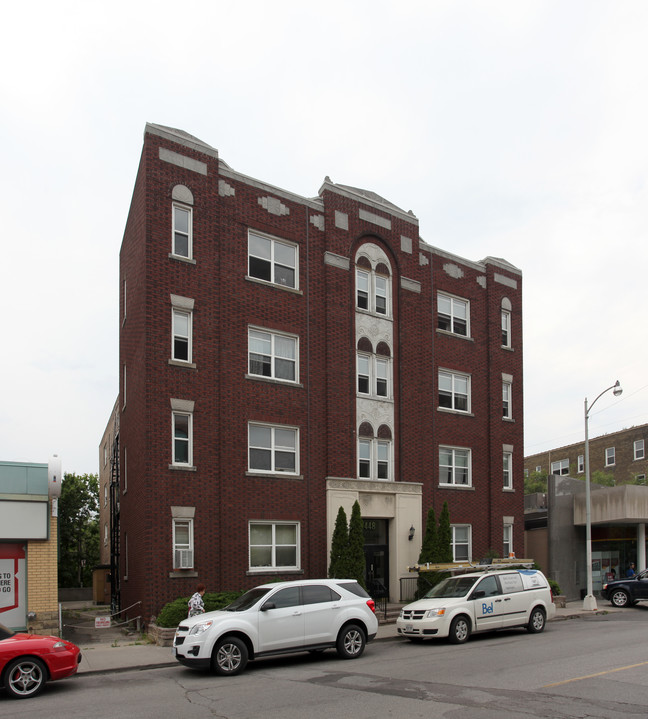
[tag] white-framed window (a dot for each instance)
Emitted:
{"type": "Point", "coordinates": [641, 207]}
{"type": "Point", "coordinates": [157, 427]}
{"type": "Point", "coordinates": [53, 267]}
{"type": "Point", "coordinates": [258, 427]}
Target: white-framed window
{"type": "Point", "coordinates": [106, 494]}
{"type": "Point", "coordinates": [560, 467]}
{"type": "Point", "coordinates": [639, 449]}
{"type": "Point", "coordinates": [454, 391]}
{"type": "Point", "coordinates": [538, 468]}
{"type": "Point", "coordinates": [124, 387]}
{"type": "Point", "coordinates": [273, 449]}
{"type": "Point", "coordinates": [272, 260]}
{"type": "Point", "coordinates": [372, 292]}
{"type": "Point", "coordinates": [181, 347]}
{"type": "Point", "coordinates": [374, 458]}
{"type": "Point", "coordinates": [580, 464]}
{"type": "Point", "coordinates": [455, 466]}
{"type": "Point", "coordinates": [125, 470]}
{"type": "Point", "coordinates": [364, 374]}
{"type": "Point", "coordinates": [125, 556]}
{"type": "Point", "coordinates": [274, 545]}
{"type": "Point", "coordinates": [507, 534]}
{"type": "Point", "coordinates": [461, 542]}
{"type": "Point", "coordinates": [124, 317]}
{"type": "Point", "coordinates": [183, 544]}
{"type": "Point", "coordinates": [105, 533]}
{"type": "Point", "coordinates": [182, 438]}
{"type": "Point", "coordinates": [640, 479]}
{"type": "Point", "coordinates": [182, 231]}
{"type": "Point", "coordinates": [507, 459]}
{"type": "Point", "coordinates": [273, 355]}
{"type": "Point", "coordinates": [507, 408]}
{"type": "Point", "coordinates": [453, 315]}
{"type": "Point", "coordinates": [374, 375]}
{"type": "Point", "coordinates": [506, 328]}
{"type": "Point", "coordinates": [610, 456]}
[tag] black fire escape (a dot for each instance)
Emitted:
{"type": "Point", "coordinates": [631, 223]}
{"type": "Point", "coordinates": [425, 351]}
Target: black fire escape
{"type": "Point", "coordinates": [115, 583]}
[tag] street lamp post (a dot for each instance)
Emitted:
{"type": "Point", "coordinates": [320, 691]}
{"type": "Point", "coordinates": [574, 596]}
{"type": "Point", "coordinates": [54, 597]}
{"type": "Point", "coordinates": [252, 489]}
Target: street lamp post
{"type": "Point", "coordinates": [590, 600]}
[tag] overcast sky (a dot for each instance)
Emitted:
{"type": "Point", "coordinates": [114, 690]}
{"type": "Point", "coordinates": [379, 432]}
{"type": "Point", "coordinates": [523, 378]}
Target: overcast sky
{"type": "Point", "coordinates": [515, 129]}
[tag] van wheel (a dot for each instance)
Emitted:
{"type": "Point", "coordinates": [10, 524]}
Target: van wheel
{"type": "Point", "coordinates": [536, 621]}
{"type": "Point", "coordinates": [230, 656]}
{"type": "Point", "coordinates": [459, 630]}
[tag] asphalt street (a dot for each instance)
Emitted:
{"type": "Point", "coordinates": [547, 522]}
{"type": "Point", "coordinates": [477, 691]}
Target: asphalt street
{"type": "Point", "coordinates": [591, 666]}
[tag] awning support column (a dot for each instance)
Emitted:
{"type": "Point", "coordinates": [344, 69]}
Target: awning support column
{"type": "Point", "coordinates": [641, 547]}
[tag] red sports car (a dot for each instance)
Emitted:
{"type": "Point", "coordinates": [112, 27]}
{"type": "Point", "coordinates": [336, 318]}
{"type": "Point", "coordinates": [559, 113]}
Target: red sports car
{"type": "Point", "coordinates": [27, 661]}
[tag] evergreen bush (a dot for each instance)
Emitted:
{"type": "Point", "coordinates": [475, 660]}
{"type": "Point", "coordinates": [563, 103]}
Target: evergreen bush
{"type": "Point", "coordinates": [174, 612]}
{"type": "Point", "coordinates": [356, 556]}
{"type": "Point", "coordinates": [338, 565]}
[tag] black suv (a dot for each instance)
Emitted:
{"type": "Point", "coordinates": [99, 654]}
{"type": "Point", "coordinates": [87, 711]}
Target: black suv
{"type": "Point", "coordinates": [628, 591]}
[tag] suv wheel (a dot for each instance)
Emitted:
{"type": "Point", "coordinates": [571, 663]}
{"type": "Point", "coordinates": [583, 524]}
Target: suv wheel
{"type": "Point", "coordinates": [350, 642]}
{"type": "Point", "coordinates": [536, 621]}
{"type": "Point", "coordinates": [459, 630]}
{"type": "Point", "coordinates": [230, 656]}
{"type": "Point", "coordinates": [619, 598]}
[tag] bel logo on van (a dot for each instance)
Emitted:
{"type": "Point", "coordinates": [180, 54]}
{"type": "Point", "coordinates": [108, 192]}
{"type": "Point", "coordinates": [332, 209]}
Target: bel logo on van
{"type": "Point", "coordinates": [487, 608]}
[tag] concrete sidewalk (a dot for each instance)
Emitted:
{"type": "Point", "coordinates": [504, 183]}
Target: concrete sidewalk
{"type": "Point", "coordinates": [128, 655]}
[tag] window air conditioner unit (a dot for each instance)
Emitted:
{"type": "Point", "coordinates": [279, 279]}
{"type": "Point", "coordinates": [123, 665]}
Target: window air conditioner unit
{"type": "Point", "coordinates": [183, 559]}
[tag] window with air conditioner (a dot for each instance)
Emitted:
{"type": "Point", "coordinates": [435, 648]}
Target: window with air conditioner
{"type": "Point", "coordinates": [183, 555]}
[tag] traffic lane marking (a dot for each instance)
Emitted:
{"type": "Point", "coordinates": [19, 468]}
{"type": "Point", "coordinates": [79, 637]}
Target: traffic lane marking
{"type": "Point", "coordinates": [598, 674]}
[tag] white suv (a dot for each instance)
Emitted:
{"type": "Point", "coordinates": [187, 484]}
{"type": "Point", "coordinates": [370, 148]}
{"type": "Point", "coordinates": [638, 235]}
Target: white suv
{"type": "Point", "coordinates": [479, 602]}
{"type": "Point", "coordinates": [309, 615]}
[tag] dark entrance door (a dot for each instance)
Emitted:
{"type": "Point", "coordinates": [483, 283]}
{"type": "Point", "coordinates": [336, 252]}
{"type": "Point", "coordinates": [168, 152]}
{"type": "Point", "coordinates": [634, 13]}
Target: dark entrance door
{"type": "Point", "coordinates": [376, 552]}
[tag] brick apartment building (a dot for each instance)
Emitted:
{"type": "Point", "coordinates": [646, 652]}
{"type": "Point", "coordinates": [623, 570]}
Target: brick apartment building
{"type": "Point", "coordinates": [621, 454]}
{"type": "Point", "coordinates": [283, 356]}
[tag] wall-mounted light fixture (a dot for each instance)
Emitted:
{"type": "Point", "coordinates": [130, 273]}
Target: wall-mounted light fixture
{"type": "Point", "coordinates": [411, 533]}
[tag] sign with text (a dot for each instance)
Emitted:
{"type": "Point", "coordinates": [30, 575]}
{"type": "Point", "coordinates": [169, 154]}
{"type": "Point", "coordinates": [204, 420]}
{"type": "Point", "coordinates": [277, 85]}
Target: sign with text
{"type": "Point", "coordinates": [13, 574]}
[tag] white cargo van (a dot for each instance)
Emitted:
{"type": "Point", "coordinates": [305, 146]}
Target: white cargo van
{"type": "Point", "coordinates": [479, 602]}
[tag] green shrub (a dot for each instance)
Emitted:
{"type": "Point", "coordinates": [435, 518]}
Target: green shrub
{"type": "Point", "coordinates": [554, 586]}
{"type": "Point", "coordinates": [174, 612]}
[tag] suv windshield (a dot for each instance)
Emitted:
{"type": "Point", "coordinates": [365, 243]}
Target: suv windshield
{"type": "Point", "coordinates": [452, 588]}
{"type": "Point", "coordinates": [247, 600]}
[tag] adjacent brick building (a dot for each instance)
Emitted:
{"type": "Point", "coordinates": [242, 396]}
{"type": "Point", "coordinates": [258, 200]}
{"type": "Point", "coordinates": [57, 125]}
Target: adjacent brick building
{"type": "Point", "coordinates": [621, 454]}
{"type": "Point", "coordinates": [283, 356]}
{"type": "Point", "coordinates": [29, 494]}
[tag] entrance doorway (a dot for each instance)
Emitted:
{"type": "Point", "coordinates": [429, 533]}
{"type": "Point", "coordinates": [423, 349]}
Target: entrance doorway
{"type": "Point", "coordinates": [376, 551]}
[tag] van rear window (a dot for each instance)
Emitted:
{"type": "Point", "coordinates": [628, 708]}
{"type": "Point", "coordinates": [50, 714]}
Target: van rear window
{"type": "Point", "coordinates": [511, 583]}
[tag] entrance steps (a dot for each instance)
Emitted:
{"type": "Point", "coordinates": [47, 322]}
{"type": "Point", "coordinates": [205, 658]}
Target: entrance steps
{"type": "Point", "coordinates": [391, 613]}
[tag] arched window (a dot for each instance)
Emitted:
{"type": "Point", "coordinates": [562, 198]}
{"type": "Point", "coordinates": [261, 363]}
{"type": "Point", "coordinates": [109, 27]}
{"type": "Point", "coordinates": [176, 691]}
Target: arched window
{"type": "Point", "coordinates": [182, 233]}
{"type": "Point", "coordinates": [373, 285]}
{"type": "Point", "coordinates": [506, 322]}
{"type": "Point", "coordinates": [374, 452]}
{"type": "Point", "coordinates": [374, 369]}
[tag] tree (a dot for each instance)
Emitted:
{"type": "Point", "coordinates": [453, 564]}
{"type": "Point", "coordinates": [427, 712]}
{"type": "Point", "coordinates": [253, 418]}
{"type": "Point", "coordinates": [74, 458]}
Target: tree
{"type": "Point", "coordinates": [339, 547]}
{"type": "Point", "coordinates": [429, 553]}
{"type": "Point", "coordinates": [606, 479]}
{"type": "Point", "coordinates": [445, 536]}
{"type": "Point", "coordinates": [536, 482]}
{"type": "Point", "coordinates": [78, 523]}
{"type": "Point", "coordinates": [430, 546]}
{"type": "Point", "coordinates": [356, 556]}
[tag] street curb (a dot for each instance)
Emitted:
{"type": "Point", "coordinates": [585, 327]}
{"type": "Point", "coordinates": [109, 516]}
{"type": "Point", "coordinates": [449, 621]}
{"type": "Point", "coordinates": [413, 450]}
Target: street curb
{"type": "Point", "coordinates": [120, 670]}
{"type": "Point", "coordinates": [391, 638]}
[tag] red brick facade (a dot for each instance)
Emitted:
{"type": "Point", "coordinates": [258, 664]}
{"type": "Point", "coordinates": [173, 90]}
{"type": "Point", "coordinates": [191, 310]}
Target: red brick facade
{"type": "Point", "coordinates": [219, 491]}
